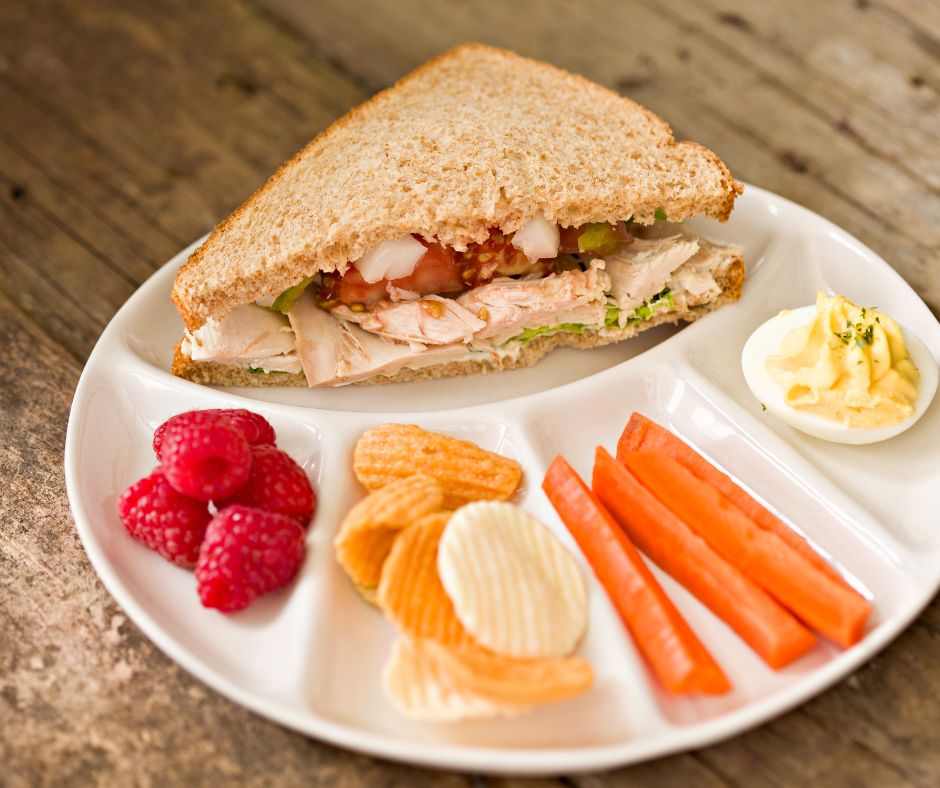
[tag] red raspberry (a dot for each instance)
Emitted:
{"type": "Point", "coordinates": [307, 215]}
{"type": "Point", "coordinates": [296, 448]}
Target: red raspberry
{"type": "Point", "coordinates": [247, 553]}
{"type": "Point", "coordinates": [255, 427]}
{"type": "Point", "coordinates": [205, 457]}
{"type": "Point", "coordinates": [276, 484]}
{"type": "Point", "coordinates": [157, 515]}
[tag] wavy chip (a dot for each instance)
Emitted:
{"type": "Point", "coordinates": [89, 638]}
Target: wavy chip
{"type": "Point", "coordinates": [419, 688]}
{"type": "Point", "coordinates": [505, 680]}
{"type": "Point", "coordinates": [465, 471]}
{"type": "Point", "coordinates": [410, 592]}
{"type": "Point", "coordinates": [515, 587]}
{"type": "Point", "coordinates": [368, 532]}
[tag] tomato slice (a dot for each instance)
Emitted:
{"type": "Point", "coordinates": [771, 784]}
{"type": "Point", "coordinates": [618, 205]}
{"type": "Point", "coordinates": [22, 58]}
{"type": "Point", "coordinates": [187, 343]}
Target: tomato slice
{"type": "Point", "coordinates": [351, 288]}
{"type": "Point", "coordinates": [437, 272]}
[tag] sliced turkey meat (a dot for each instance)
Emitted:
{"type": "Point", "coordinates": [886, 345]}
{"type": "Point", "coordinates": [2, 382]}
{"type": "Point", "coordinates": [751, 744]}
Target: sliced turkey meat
{"type": "Point", "coordinates": [508, 306]}
{"type": "Point", "coordinates": [695, 277]}
{"type": "Point", "coordinates": [248, 335]}
{"type": "Point", "coordinates": [644, 268]}
{"type": "Point", "coordinates": [430, 320]}
{"type": "Point", "coordinates": [334, 352]}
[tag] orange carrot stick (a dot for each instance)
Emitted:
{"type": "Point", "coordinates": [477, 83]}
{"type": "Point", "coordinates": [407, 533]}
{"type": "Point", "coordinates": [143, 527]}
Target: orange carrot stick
{"type": "Point", "coordinates": [769, 629]}
{"type": "Point", "coordinates": [672, 650]}
{"type": "Point", "coordinates": [643, 434]}
{"type": "Point", "coordinates": [809, 593]}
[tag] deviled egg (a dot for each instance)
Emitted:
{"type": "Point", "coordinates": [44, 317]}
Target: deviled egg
{"type": "Point", "coordinates": [840, 372]}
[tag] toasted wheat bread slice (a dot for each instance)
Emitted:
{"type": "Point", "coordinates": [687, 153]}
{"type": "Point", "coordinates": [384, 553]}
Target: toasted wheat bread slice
{"type": "Point", "coordinates": [476, 138]}
{"type": "Point", "coordinates": [730, 277]}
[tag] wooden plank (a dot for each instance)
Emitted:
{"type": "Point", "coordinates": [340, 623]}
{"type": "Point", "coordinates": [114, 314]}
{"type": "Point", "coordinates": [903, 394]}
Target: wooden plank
{"type": "Point", "coordinates": [64, 285]}
{"type": "Point", "coordinates": [78, 165]}
{"type": "Point", "coordinates": [867, 87]}
{"type": "Point", "coordinates": [27, 182]}
{"type": "Point", "coordinates": [40, 301]}
{"type": "Point", "coordinates": [923, 17]}
{"type": "Point", "coordinates": [685, 769]}
{"type": "Point", "coordinates": [195, 128]}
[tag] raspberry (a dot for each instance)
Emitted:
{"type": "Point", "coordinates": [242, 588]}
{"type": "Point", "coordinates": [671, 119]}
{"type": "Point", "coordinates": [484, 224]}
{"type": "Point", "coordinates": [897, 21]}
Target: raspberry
{"type": "Point", "coordinates": [276, 484]}
{"type": "Point", "coordinates": [255, 427]}
{"type": "Point", "coordinates": [246, 553]}
{"type": "Point", "coordinates": [205, 457]}
{"type": "Point", "coordinates": [157, 515]}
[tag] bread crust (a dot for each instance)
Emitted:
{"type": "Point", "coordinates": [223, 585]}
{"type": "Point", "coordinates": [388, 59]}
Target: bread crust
{"type": "Point", "coordinates": [731, 281]}
{"type": "Point", "coordinates": [337, 197]}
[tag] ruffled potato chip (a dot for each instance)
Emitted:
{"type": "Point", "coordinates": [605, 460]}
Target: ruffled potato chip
{"type": "Point", "coordinates": [368, 532]}
{"type": "Point", "coordinates": [515, 587]}
{"type": "Point", "coordinates": [465, 471]}
{"type": "Point", "coordinates": [419, 688]}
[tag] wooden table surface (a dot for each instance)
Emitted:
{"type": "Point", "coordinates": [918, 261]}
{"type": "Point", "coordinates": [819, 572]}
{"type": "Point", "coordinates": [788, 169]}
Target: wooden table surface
{"type": "Point", "coordinates": [127, 129]}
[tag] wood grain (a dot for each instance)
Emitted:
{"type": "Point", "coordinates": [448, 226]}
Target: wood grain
{"type": "Point", "coordinates": [128, 129]}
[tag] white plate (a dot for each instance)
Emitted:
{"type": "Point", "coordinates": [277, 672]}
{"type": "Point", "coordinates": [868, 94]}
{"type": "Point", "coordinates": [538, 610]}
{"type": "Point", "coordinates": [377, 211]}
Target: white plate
{"type": "Point", "coordinates": [310, 656]}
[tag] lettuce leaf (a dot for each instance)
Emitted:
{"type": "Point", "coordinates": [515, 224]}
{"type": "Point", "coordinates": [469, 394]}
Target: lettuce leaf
{"type": "Point", "coordinates": [528, 334]}
{"type": "Point", "coordinates": [285, 300]}
{"type": "Point", "coordinates": [658, 303]}
{"type": "Point", "coordinates": [613, 316]}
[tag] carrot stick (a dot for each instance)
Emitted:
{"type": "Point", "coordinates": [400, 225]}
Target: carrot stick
{"type": "Point", "coordinates": [809, 593]}
{"type": "Point", "coordinates": [643, 434]}
{"type": "Point", "coordinates": [672, 650]}
{"type": "Point", "coordinates": [750, 611]}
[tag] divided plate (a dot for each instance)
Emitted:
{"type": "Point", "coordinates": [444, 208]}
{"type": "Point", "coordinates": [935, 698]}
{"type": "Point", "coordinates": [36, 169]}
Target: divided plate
{"type": "Point", "coordinates": [310, 656]}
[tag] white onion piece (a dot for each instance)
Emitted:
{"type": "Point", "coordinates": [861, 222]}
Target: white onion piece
{"type": "Point", "coordinates": [390, 259]}
{"type": "Point", "coordinates": [538, 239]}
